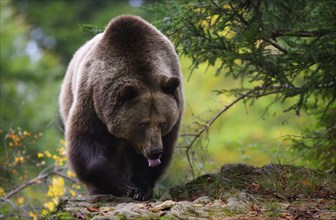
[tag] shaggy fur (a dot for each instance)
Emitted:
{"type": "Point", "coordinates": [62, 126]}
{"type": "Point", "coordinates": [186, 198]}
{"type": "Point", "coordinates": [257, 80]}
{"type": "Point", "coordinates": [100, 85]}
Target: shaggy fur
{"type": "Point", "coordinates": [121, 103]}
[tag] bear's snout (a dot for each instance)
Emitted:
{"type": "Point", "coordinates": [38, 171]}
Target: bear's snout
{"type": "Point", "coordinates": [155, 153]}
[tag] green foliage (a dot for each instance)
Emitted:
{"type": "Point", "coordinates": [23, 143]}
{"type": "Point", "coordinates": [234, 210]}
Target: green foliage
{"type": "Point", "coordinates": [21, 170]}
{"type": "Point", "coordinates": [281, 48]}
{"type": "Point", "coordinates": [91, 28]}
{"type": "Point", "coordinates": [320, 143]}
{"type": "Point", "coordinates": [27, 73]}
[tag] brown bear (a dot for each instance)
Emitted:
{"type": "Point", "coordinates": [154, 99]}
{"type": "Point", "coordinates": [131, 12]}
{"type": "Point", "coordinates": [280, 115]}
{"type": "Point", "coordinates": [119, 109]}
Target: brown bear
{"type": "Point", "coordinates": [121, 103]}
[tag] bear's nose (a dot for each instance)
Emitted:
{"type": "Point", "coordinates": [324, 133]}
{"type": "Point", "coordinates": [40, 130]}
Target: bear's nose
{"type": "Point", "coordinates": [156, 153]}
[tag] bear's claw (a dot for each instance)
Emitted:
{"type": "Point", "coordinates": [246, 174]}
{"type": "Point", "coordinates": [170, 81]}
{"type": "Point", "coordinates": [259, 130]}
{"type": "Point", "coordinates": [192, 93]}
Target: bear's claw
{"type": "Point", "coordinates": [141, 194]}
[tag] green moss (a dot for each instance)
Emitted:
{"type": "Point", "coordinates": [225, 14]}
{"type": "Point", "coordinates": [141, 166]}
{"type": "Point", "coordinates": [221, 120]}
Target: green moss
{"type": "Point", "coordinates": [167, 218]}
{"type": "Point", "coordinates": [121, 217]}
{"type": "Point", "coordinates": [64, 215]}
{"type": "Point", "coordinates": [231, 212]}
{"type": "Point", "coordinates": [273, 209]}
{"type": "Point", "coordinates": [227, 212]}
{"type": "Point", "coordinates": [58, 216]}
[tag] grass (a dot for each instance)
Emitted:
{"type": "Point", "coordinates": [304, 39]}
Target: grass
{"type": "Point", "coordinates": [294, 182]}
{"type": "Point", "coordinates": [58, 215]}
{"type": "Point", "coordinates": [282, 182]}
{"type": "Point", "coordinates": [273, 209]}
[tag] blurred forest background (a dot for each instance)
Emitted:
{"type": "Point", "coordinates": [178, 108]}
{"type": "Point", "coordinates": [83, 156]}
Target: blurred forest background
{"type": "Point", "coordinates": [38, 39]}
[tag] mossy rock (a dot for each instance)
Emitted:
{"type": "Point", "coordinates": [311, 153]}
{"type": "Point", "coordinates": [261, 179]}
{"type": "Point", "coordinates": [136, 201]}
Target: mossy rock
{"type": "Point", "coordinates": [237, 191]}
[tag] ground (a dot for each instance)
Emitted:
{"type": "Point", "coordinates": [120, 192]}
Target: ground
{"type": "Point", "coordinates": [238, 191]}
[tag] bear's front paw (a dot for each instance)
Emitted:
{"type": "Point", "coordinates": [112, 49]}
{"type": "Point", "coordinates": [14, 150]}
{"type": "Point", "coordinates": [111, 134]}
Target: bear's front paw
{"type": "Point", "coordinates": [142, 194]}
{"type": "Point", "coordinates": [129, 190]}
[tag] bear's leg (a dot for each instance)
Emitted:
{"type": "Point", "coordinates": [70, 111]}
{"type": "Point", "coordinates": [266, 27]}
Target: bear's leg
{"type": "Point", "coordinates": [144, 178]}
{"type": "Point", "coordinates": [95, 168]}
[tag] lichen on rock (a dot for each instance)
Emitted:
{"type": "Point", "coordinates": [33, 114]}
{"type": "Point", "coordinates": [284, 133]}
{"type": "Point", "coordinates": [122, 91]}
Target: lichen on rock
{"type": "Point", "coordinates": [238, 191]}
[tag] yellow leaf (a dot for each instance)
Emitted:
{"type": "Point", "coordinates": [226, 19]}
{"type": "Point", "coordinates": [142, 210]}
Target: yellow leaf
{"type": "Point", "coordinates": [19, 160]}
{"type": "Point", "coordinates": [40, 155]}
{"type": "Point", "coordinates": [47, 153]}
{"type": "Point", "coordinates": [2, 191]}
{"type": "Point", "coordinates": [71, 174]}
{"type": "Point", "coordinates": [33, 215]}
{"type": "Point", "coordinates": [305, 182]}
{"type": "Point", "coordinates": [20, 200]}
{"type": "Point", "coordinates": [56, 188]}
{"type": "Point", "coordinates": [44, 212]}
{"type": "Point", "coordinates": [49, 205]}
{"type": "Point", "coordinates": [26, 133]}
{"type": "Point", "coordinates": [76, 186]}
{"type": "Point", "coordinates": [55, 201]}
{"type": "Point", "coordinates": [73, 193]}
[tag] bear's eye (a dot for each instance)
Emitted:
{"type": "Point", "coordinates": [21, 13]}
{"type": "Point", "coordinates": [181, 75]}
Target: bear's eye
{"type": "Point", "coordinates": [163, 125]}
{"type": "Point", "coordinates": [144, 125]}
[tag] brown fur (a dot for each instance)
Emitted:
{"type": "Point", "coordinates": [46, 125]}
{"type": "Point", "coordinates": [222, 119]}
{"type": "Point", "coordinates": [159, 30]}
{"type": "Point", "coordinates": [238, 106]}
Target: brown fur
{"type": "Point", "coordinates": [121, 103]}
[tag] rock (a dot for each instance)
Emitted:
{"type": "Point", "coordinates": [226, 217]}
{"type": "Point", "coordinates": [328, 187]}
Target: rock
{"type": "Point", "coordinates": [236, 169]}
{"type": "Point", "coordinates": [164, 205]}
{"type": "Point", "coordinates": [202, 200]}
{"type": "Point", "coordinates": [240, 202]}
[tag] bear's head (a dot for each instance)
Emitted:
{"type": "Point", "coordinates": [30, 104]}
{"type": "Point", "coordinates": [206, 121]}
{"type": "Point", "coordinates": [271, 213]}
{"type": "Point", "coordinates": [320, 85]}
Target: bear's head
{"type": "Point", "coordinates": [138, 113]}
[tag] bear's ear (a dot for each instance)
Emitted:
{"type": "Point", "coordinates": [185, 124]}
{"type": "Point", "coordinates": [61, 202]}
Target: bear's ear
{"type": "Point", "coordinates": [127, 92]}
{"type": "Point", "coordinates": [169, 85]}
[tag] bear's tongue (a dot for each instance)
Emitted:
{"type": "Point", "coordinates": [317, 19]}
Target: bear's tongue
{"type": "Point", "coordinates": [154, 163]}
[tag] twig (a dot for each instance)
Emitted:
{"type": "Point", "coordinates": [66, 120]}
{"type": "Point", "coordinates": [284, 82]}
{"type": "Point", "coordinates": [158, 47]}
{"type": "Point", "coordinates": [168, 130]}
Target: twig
{"type": "Point", "coordinates": [14, 205]}
{"type": "Point", "coordinates": [301, 33]}
{"type": "Point", "coordinates": [175, 31]}
{"type": "Point", "coordinates": [206, 126]}
{"type": "Point", "coordinates": [218, 114]}
{"type": "Point", "coordinates": [34, 180]}
{"type": "Point", "coordinates": [277, 46]}
{"type": "Point", "coordinates": [66, 177]}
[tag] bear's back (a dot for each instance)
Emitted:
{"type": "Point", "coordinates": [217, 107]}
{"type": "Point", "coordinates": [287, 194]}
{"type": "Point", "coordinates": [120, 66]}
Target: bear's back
{"type": "Point", "coordinates": [71, 79]}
